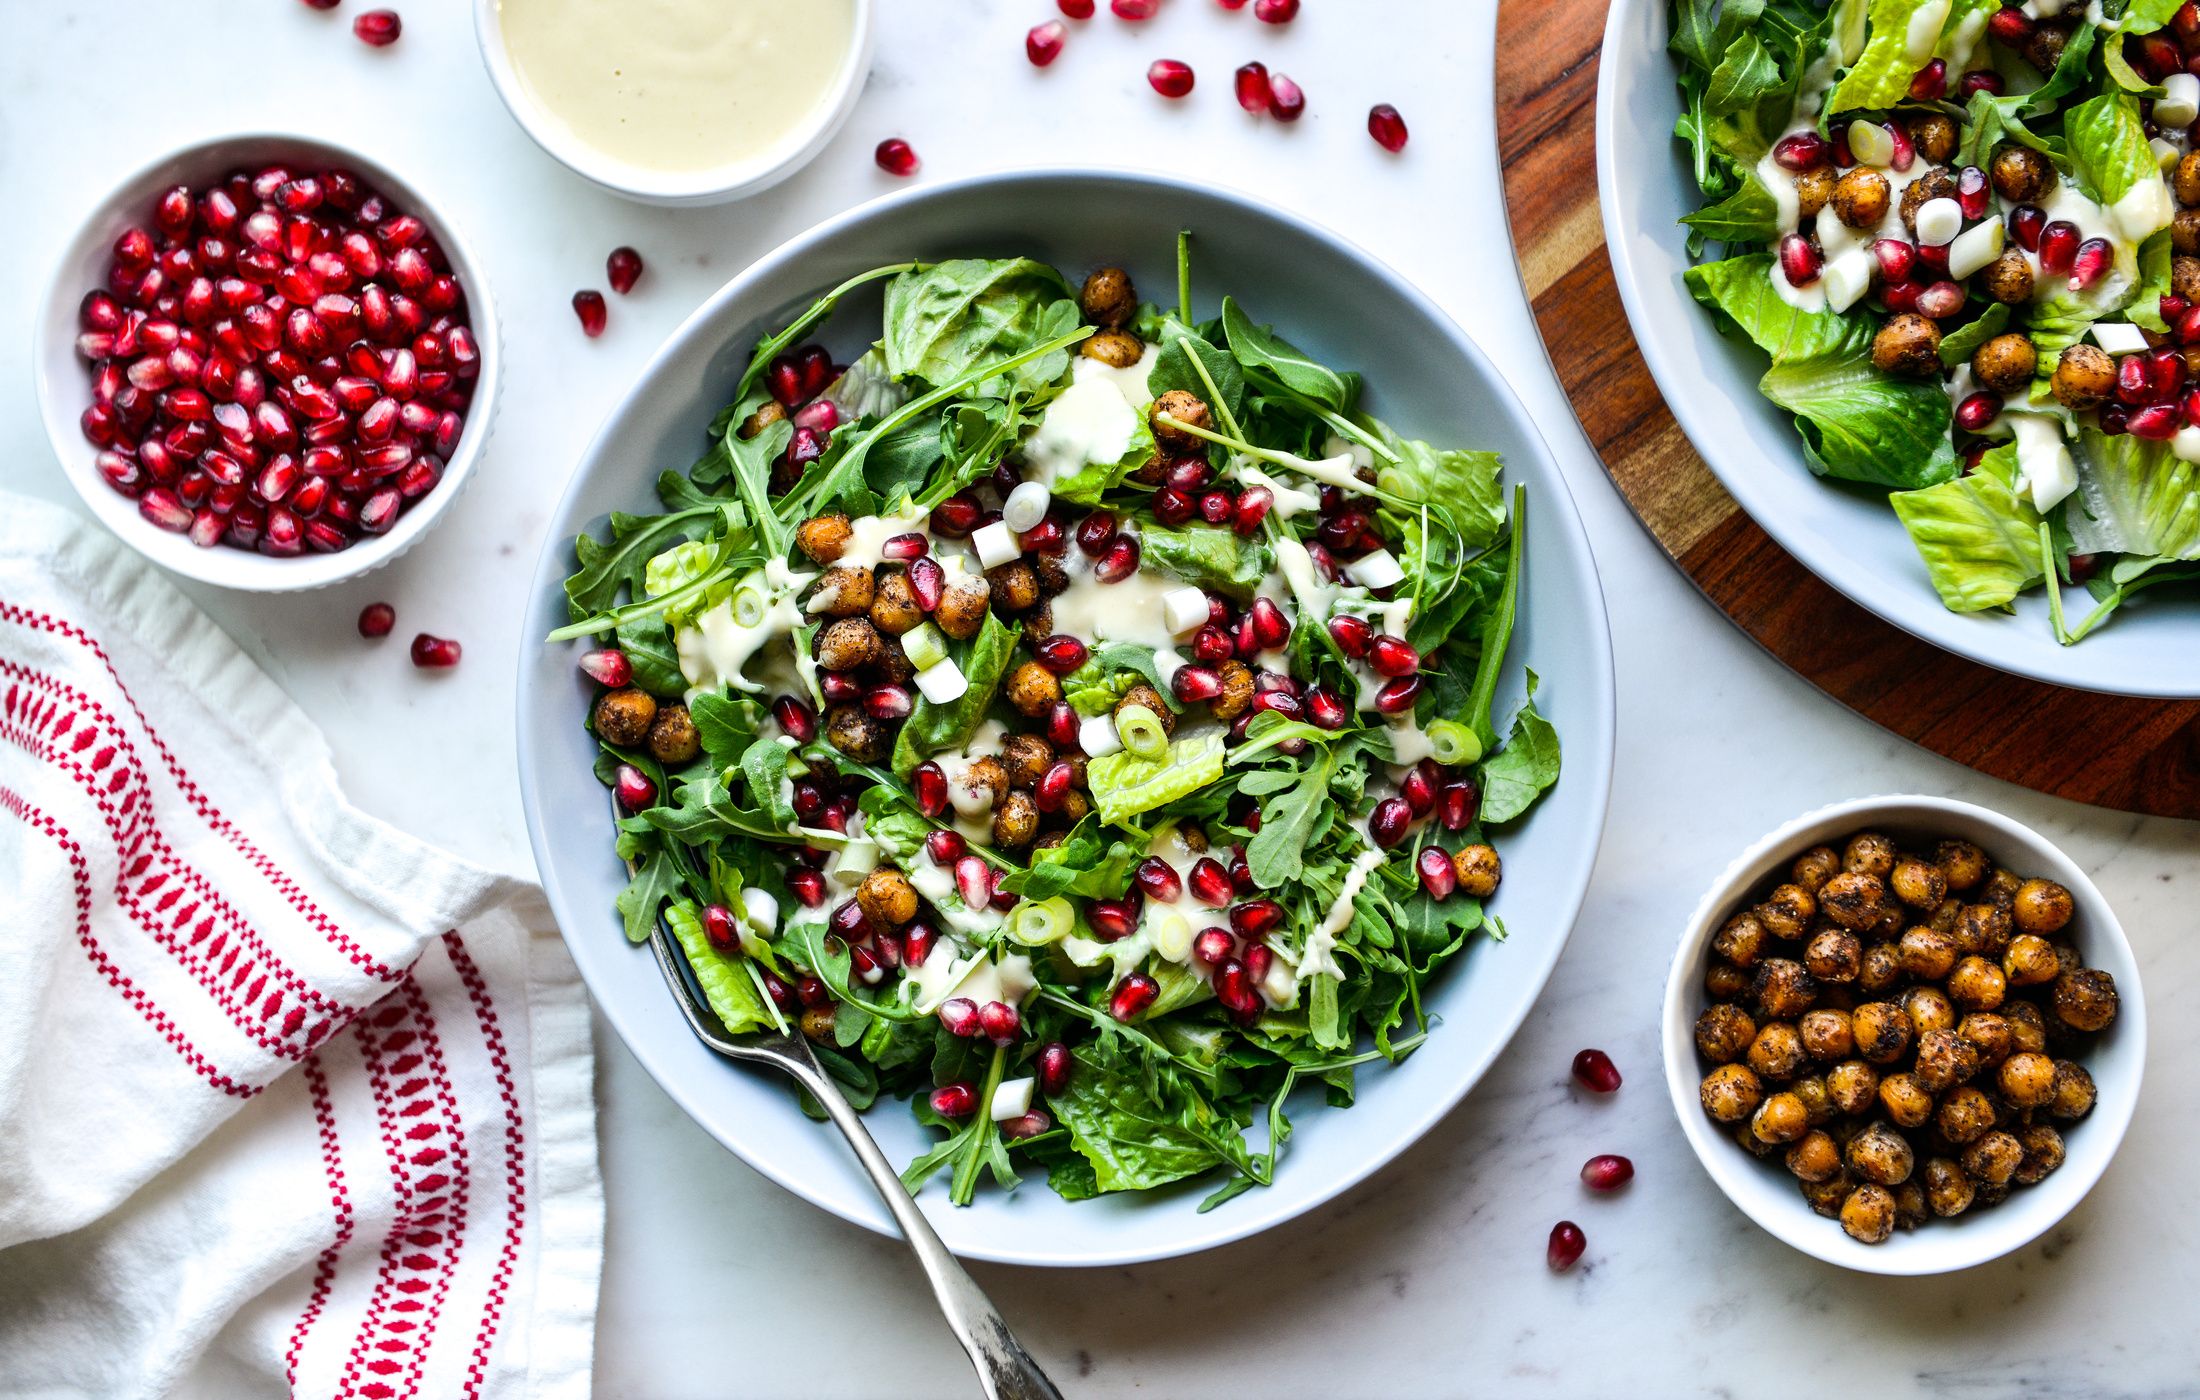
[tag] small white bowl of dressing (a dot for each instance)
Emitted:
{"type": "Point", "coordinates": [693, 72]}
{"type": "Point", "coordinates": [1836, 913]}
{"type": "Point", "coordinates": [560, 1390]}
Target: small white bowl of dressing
{"type": "Point", "coordinates": [678, 101]}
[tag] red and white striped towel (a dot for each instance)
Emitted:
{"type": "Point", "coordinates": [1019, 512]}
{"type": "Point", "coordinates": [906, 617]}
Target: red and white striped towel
{"type": "Point", "coordinates": [287, 1099]}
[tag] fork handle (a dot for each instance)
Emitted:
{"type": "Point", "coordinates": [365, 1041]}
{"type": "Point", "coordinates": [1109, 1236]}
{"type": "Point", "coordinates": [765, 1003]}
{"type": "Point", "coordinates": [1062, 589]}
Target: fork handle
{"type": "Point", "coordinates": [1005, 1369]}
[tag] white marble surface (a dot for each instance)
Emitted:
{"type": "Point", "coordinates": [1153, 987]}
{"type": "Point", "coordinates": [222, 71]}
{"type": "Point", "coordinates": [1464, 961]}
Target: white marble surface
{"type": "Point", "coordinates": [1429, 1279]}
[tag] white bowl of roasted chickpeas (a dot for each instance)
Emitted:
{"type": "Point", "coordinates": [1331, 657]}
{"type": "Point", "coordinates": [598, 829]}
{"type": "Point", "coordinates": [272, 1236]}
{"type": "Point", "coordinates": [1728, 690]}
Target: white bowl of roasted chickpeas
{"type": "Point", "coordinates": [1904, 1034]}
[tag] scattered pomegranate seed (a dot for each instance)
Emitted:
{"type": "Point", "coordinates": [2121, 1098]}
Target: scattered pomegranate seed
{"type": "Point", "coordinates": [896, 157]}
{"type": "Point", "coordinates": [590, 308]}
{"type": "Point", "coordinates": [1113, 920]}
{"type": "Point", "coordinates": [795, 718]}
{"type": "Point", "coordinates": [1136, 992]}
{"type": "Point", "coordinates": [808, 888]}
{"type": "Point", "coordinates": [1286, 99]}
{"type": "Point", "coordinates": [379, 28]}
{"type": "Point", "coordinates": [958, 1100]}
{"type": "Point", "coordinates": [376, 620]}
{"type": "Point", "coordinates": [1387, 127]}
{"type": "Point", "coordinates": [1192, 684]}
{"type": "Point", "coordinates": [1387, 824]}
{"type": "Point", "coordinates": [1800, 262]}
{"type": "Point", "coordinates": [1120, 562]}
{"type": "Point", "coordinates": [434, 653]}
{"type": "Point", "coordinates": [2058, 243]}
{"type": "Point", "coordinates": [1438, 875]}
{"type": "Point", "coordinates": [720, 929]}
{"type": "Point", "coordinates": [1054, 1067]}
{"type": "Point", "coordinates": [1594, 1071]}
{"type": "Point", "coordinates": [624, 269]}
{"type": "Point", "coordinates": [1275, 11]}
{"type": "Point", "coordinates": [1977, 411]}
{"type": "Point", "coordinates": [1252, 86]}
{"type": "Point", "coordinates": [634, 789]}
{"type": "Point", "coordinates": [1062, 653]}
{"type": "Point", "coordinates": [1159, 880]}
{"type": "Point", "coordinates": [608, 667]}
{"type": "Point", "coordinates": [1134, 9]}
{"type": "Point", "coordinates": [1000, 1022]}
{"type": "Point", "coordinates": [322, 4]}
{"type": "Point", "coordinates": [946, 848]}
{"type": "Point", "coordinates": [1608, 1172]}
{"type": "Point", "coordinates": [1170, 77]}
{"type": "Point", "coordinates": [1930, 83]}
{"type": "Point", "coordinates": [1567, 1243]}
{"type": "Point", "coordinates": [2090, 263]}
{"type": "Point", "coordinates": [1043, 44]}
{"type": "Point", "coordinates": [2011, 26]}
{"type": "Point", "coordinates": [1075, 9]}
{"type": "Point", "coordinates": [1255, 918]}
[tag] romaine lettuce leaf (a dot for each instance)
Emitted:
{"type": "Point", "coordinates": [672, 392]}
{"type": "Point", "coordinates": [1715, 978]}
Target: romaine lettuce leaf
{"type": "Point", "coordinates": [1861, 425]}
{"type": "Point", "coordinates": [2134, 497]}
{"type": "Point", "coordinates": [1742, 288]}
{"type": "Point", "coordinates": [1123, 785]}
{"type": "Point", "coordinates": [1881, 75]}
{"type": "Point", "coordinates": [724, 977]}
{"type": "Point", "coordinates": [1980, 540]}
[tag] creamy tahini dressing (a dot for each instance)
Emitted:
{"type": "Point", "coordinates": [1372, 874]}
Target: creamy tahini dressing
{"type": "Point", "coordinates": [680, 85]}
{"type": "Point", "coordinates": [1093, 420]}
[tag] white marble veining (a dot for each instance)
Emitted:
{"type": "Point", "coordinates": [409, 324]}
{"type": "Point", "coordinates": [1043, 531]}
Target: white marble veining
{"type": "Point", "coordinates": [1429, 1279]}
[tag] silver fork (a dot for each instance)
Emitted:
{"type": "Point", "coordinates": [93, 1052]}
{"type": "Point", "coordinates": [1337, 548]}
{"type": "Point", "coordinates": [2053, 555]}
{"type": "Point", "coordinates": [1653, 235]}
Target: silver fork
{"type": "Point", "coordinates": [1005, 1369]}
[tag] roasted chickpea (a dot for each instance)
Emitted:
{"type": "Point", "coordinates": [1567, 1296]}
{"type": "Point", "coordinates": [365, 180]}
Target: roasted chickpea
{"type": "Point", "coordinates": [817, 1024]}
{"type": "Point", "coordinates": [2184, 233]}
{"type": "Point", "coordinates": [1817, 1102]}
{"type": "Point", "coordinates": [1145, 697]}
{"type": "Point", "coordinates": [1826, 1035]}
{"type": "Point", "coordinates": [623, 717]}
{"type": "Point", "coordinates": [1882, 968]}
{"type": "Point", "coordinates": [1944, 1060]}
{"type": "Point", "coordinates": [1919, 883]}
{"type": "Point", "coordinates": [2184, 271]}
{"type": "Point", "coordinates": [892, 665]}
{"type": "Point", "coordinates": [2085, 999]}
{"type": "Point", "coordinates": [1015, 820]}
{"type": "Point", "coordinates": [1909, 1206]}
{"type": "Point", "coordinates": [1948, 1191]}
{"type": "Point", "coordinates": [1835, 955]}
{"type": "Point", "coordinates": [2074, 1093]}
{"type": "Point", "coordinates": [1024, 758]}
{"type": "Point", "coordinates": [1724, 1034]}
{"type": "Point", "coordinates": [846, 644]}
{"type": "Point", "coordinates": [2008, 278]}
{"type": "Point", "coordinates": [1784, 989]}
{"type": "Point", "coordinates": [2027, 1027]}
{"type": "Point", "coordinates": [1741, 940]}
{"type": "Point", "coordinates": [1882, 1031]}
{"type": "Point", "coordinates": [2027, 1080]}
{"type": "Point", "coordinates": [984, 775]}
{"type": "Point", "coordinates": [1928, 1009]}
{"type": "Point", "coordinates": [1927, 954]}
{"type": "Point", "coordinates": [1731, 1093]}
{"type": "Point", "coordinates": [1814, 1157]}
{"type": "Point", "coordinates": [1993, 1159]}
{"type": "Point", "coordinates": [963, 607]}
{"type": "Point", "coordinates": [1992, 1193]}
{"type": "Point", "coordinates": [823, 537]}
{"type": "Point", "coordinates": [1987, 1033]}
{"type": "Point", "coordinates": [1724, 981]}
{"type": "Point", "coordinates": [1852, 899]}
{"type": "Point", "coordinates": [1185, 407]}
{"type": "Point", "coordinates": [1966, 1114]}
{"type": "Point", "coordinates": [1977, 985]}
{"type": "Point", "coordinates": [1479, 870]}
{"type": "Point", "coordinates": [1943, 917]}
{"type": "Point", "coordinates": [1107, 298]}
{"type": "Point", "coordinates": [1015, 587]}
{"type": "Point", "coordinates": [1861, 197]}
{"type": "Point", "coordinates": [2187, 179]}
{"type": "Point", "coordinates": [1905, 1100]}
{"type": "Point", "coordinates": [2020, 174]}
{"type": "Point", "coordinates": [1814, 867]}
{"type": "Point", "coordinates": [768, 413]}
{"type": "Point", "coordinates": [672, 737]}
{"type": "Point", "coordinates": [1777, 1052]}
{"type": "Point", "coordinates": [1787, 912]}
{"type": "Point", "coordinates": [1880, 1154]}
{"type": "Point", "coordinates": [1825, 1197]}
{"type": "Point", "coordinates": [1780, 1118]}
{"type": "Point", "coordinates": [2085, 376]}
{"type": "Point", "coordinates": [2043, 1152]}
{"type": "Point", "coordinates": [1933, 184]}
{"type": "Point", "coordinates": [894, 607]}
{"type": "Point", "coordinates": [2042, 907]}
{"type": "Point", "coordinates": [1116, 348]}
{"type": "Point", "coordinates": [2000, 888]}
{"type": "Point", "coordinates": [1032, 689]}
{"type": "Point", "coordinates": [1888, 926]}
{"type": "Point", "coordinates": [856, 734]}
{"type": "Point", "coordinates": [1908, 345]}
{"type": "Point", "coordinates": [1813, 188]}
{"type": "Point", "coordinates": [1982, 929]}
{"type": "Point", "coordinates": [844, 591]}
{"type": "Point", "coordinates": [1852, 1085]}
{"type": "Point", "coordinates": [1934, 135]}
{"type": "Point", "coordinates": [1961, 863]}
{"type": "Point", "coordinates": [887, 898]}
{"type": "Point", "coordinates": [2030, 960]}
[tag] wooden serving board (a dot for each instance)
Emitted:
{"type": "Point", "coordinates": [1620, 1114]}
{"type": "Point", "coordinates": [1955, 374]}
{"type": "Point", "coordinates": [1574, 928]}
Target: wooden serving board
{"type": "Point", "coordinates": [2133, 755]}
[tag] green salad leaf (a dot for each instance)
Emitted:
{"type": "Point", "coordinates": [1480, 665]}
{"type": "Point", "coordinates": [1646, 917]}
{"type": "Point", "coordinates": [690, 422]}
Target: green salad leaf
{"type": "Point", "coordinates": [1124, 785]}
{"type": "Point", "coordinates": [1223, 560]}
{"type": "Point", "coordinates": [931, 728]}
{"type": "Point", "coordinates": [2134, 497]}
{"type": "Point", "coordinates": [1979, 538]}
{"type": "Point", "coordinates": [951, 318]}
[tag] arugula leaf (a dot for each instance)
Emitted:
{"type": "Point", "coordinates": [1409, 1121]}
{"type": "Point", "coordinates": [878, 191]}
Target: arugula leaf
{"type": "Point", "coordinates": [1184, 354]}
{"type": "Point", "coordinates": [1517, 774]}
{"type": "Point", "coordinates": [1258, 347]}
{"type": "Point", "coordinates": [647, 643]}
{"type": "Point", "coordinates": [751, 460]}
{"type": "Point", "coordinates": [764, 767]}
{"type": "Point", "coordinates": [655, 880]}
{"type": "Point", "coordinates": [1223, 560]}
{"type": "Point", "coordinates": [635, 540]}
{"type": "Point", "coordinates": [725, 726]}
{"type": "Point", "coordinates": [984, 659]}
{"type": "Point", "coordinates": [1115, 1122]}
{"type": "Point", "coordinates": [1750, 215]}
{"type": "Point", "coordinates": [1289, 820]}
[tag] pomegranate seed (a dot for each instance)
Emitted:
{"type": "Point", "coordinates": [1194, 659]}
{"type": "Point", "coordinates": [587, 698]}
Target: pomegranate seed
{"type": "Point", "coordinates": [1159, 880]}
{"type": "Point", "coordinates": [1252, 87]}
{"type": "Point", "coordinates": [957, 1100]}
{"type": "Point", "coordinates": [973, 882]}
{"type": "Point", "coordinates": [2091, 261]}
{"type": "Point", "coordinates": [889, 702]}
{"type": "Point", "coordinates": [813, 993]}
{"type": "Point", "coordinates": [945, 847]}
{"type": "Point", "coordinates": [1942, 299]}
{"type": "Point", "coordinates": [1799, 261]}
{"type": "Point", "coordinates": [1567, 1241]}
{"type": "Point", "coordinates": [960, 1016]}
{"type": "Point", "coordinates": [2012, 26]}
{"type": "Point", "coordinates": [1043, 44]}
{"type": "Point", "coordinates": [917, 942]}
{"type": "Point", "coordinates": [1195, 683]}
{"type": "Point", "coordinates": [928, 581]}
{"type": "Point", "coordinates": [896, 157]}
{"type": "Point", "coordinates": [1896, 259]}
{"type": "Point", "coordinates": [1137, 991]}
{"type": "Point", "coordinates": [2058, 244]}
{"type": "Point", "coordinates": [1419, 791]}
{"type": "Point", "coordinates": [1594, 1071]}
{"type": "Point", "coordinates": [434, 653]}
{"type": "Point", "coordinates": [635, 790]}
{"type": "Point", "coordinates": [1608, 1172]}
{"type": "Point", "coordinates": [1169, 77]}
{"type": "Point", "coordinates": [839, 689]}
{"type": "Point", "coordinates": [2133, 383]}
{"type": "Point", "coordinates": [1325, 709]}
{"type": "Point", "coordinates": [795, 718]}
{"type": "Point", "coordinates": [1802, 152]}
{"type": "Point", "coordinates": [1269, 624]}
{"type": "Point", "coordinates": [999, 1021]}
{"type": "Point", "coordinates": [2156, 422]}
{"type": "Point", "coordinates": [1027, 1125]}
{"type": "Point", "coordinates": [1905, 150]}
{"type": "Point", "coordinates": [1979, 80]}
{"type": "Point", "coordinates": [720, 929]}
{"type": "Point", "coordinates": [1252, 508]}
{"type": "Point", "coordinates": [930, 786]}
{"type": "Point", "coordinates": [161, 507]}
{"type": "Point", "coordinates": [590, 308]}
{"type": "Point", "coordinates": [1386, 825]}
{"type": "Point", "coordinates": [379, 28]}
{"type": "Point", "coordinates": [1062, 653]}
{"type": "Point", "coordinates": [1213, 945]}
{"type": "Point", "coordinates": [1977, 411]}
{"type": "Point", "coordinates": [1387, 127]}
{"type": "Point", "coordinates": [1352, 635]}
{"type": "Point", "coordinates": [1930, 83]}
{"type": "Point", "coordinates": [1054, 785]}
{"type": "Point", "coordinates": [1134, 9]}
{"type": "Point", "coordinates": [376, 620]}
{"type": "Point", "coordinates": [1210, 883]}
{"type": "Point", "coordinates": [808, 888]}
{"type": "Point", "coordinates": [1173, 507]}
{"type": "Point", "coordinates": [1972, 191]}
{"type": "Point", "coordinates": [1120, 562]}
{"type": "Point", "coordinates": [1075, 9]}
{"type": "Point", "coordinates": [1096, 534]}
{"type": "Point", "coordinates": [1112, 920]}
{"type": "Point", "coordinates": [1275, 11]}
{"type": "Point", "coordinates": [1457, 803]}
{"type": "Point", "coordinates": [1063, 724]}
{"type": "Point", "coordinates": [955, 517]}
{"type": "Point", "coordinates": [1054, 1067]}
{"type": "Point", "coordinates": [1438, 875]}
{"type": "Point", "coordinates": [850, 922]}
{"type": "Point", "coordinates": [608, 667]}
{"type": "Point", "coordinates": [1392, 656]}
{"type": "Point", "coordinates": [1255, 918]}
{"type": "Point", "coordinates": [1212, 645]}
{"type": "Point", "coordinates": [1286, 100]}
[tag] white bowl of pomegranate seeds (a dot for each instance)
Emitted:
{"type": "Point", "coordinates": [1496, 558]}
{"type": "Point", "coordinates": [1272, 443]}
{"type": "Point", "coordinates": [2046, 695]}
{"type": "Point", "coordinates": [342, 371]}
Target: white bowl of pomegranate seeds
{"type": "Point", "coordinates": [1968, 1210]}
{"type": "Point", "coordinates": [267, 363]}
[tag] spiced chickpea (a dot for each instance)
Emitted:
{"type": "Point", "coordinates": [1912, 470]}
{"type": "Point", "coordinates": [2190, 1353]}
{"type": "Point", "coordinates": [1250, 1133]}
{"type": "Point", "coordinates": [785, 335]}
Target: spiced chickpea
{"type": "Point", "coordinates": [847, 643]}
{"type": "Point", "coordinates": [1882, 1031]}
{"type": "Point", "coordinates": [1777, 1052]}
{"type": "Point", "coordinates": [856, 734]}
{"type": "Point", "coordinates": [1893, 918]}
{"type": "Point", "coordinates": [2074, 1092]}
{"type": "Point", "coordinates": [673, 740]}
{"type": "Point", "coordinates": [1977, 985]}
{"type": "Point", "coordinates": [1881, 1155]}
{"type": "Point", "coordinates": [1814, 867]}
{"type": "Point", "coordinates": [1987, 1033]}
{"type": "Point", "coordinates": [1478, 869]}
{"type": "Point", "coordinates": [1919, 883]}
{"type": "Point", "coordinates": [1982, 929]}
{"type": "Point", "coordinates": [887, 898]}
{"type": "Point", "coordinates": [1853, 1086]}
{"type": "Point", "coordinates": [1928, 1009]}
{"type": "Point", "coordinates": [623, 717]}
{"type": "Point", "coordinates": [2184, 232]}
{"type": "Point", "coordinates": [1905, 1100]}
{"type": "Point", "coordinates": [1909, 346]}
{"type": "Point", "coordinates": [1814, 1157]}
{"type": "Point", "coordinates": [2042, 907]}
{"type": "Point", "coordinates": [2027, 1080]}
{"type": "Point", "coordinates": [1934, 136]}
{"type": "Point", "coordinates": [2084, 377]}
{"type": "Point", "coordinates": [1835, 955]}
{"type": "Point", "coordinates": [2020, 174]}
{"type": "Point", "coordinates": [1861, 197]}
{"type": "Point", "coordinates": [1826, 1035]}
{"type": "Point", "coordinates": [1825, 1197]}
{"type": "Point", "coordinates": [1948, 1191]}
{"type": "Point", "coordinates": [1115, 348]}
{"type": "Point", "coordinates": [1015, 820]}
{"type": "Point", "coordinates": [1852, 899]}
{"type": "Point", "coordinates": [1962, 863]}
{"type": "Point", "coordinates": [1944, 1060]}
{"type": "Point", "coordinates": [1927, 953]}
{"type": "Point", "coordinates": [1812, 189]}
{"type": "Point", "coordinates": [892, 665]}
{"type": "Point", "coordinates": [824, 538]}
{"type": "Point", "coordinates": [767, 413]}
{"type": "Point", "coordinates": [1934, 184]}
{"type": "Point", "coordinates": [2000, 888]}
{"type": "Point", "coordinates": [1784, 988]}
{"type": "Point", "coordinates": [1724, 981]}
{"type": "Point", "coordinates": [2027, 1027]}
{"type": "Point", "coordinates": [2030, 960]}
{"type": "Point", "coordinates": [1731, 1093]}
{"type": "Point", "coordinates": [1107, 298]}
{"type": "Point", "coordinates": [1992, 1193]}
{"type": "Point", "coordinates": [1025, 758]}
{"type": "Point", "coordinates": [1740, 940]}
{"type": "Point", "coordinates": [1032, 689]}
{"type": "Point", "coordinates": [1817, 1102]}
{"type": "Point", "coordinates": [894, 606]}
{"type": "Point", "coordinates": [1015, 587]}
{"type": "Point", "coordinates": [1993, 1159]}
{"type": "Point", "coordinates": [1145, 697]}
{"type": "Point", "coordinates": [963, 607]}
{"type": "Point", "coordinates": [2085, 999]}
{"type": "Point", "coordinates": [1780, 1118]}
{"type": "Point", "coordinates": [1787, 912]}
{"type": "Point", "coordinates": [2187, 179]}
{"type": "Point", "coordinates": [1180, 407]}
{"type": "Point", "coordinates": [1869, 853]}
{"type": "Point", "coordinates": [1725, 1033]}
{"type": "Point", "coordinates": [2043, 1152]}
{"type": "Point", "coordinates": [1909, 1205]}
{"type": "Point", "coordinates": [1237, 691]}
{"type": "Point", "coordinates": [844, 591]}
{"type": "Point", "coordinates": [817, 1024]}
{"type": "Point", "coordinates": [1943, 917]}
{"type": "Point", "coordinates": [1881, 970]}
{"type": "Point", "coordinates": [1966, 1114]}
{"type": "Point", "coordinates": [2008, 279]}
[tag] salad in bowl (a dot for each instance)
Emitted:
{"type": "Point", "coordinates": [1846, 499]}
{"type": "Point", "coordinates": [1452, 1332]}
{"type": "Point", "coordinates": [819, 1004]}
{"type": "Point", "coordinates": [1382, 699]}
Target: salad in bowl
{"type": "Point", "coordinates": [1078, 719]}
{"type": "Point", "coordinates": [1967, 236]}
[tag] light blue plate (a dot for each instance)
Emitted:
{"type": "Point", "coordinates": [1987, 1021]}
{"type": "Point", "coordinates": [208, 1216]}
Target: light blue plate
{"type": "Point", "coordinates": [1424, 376]}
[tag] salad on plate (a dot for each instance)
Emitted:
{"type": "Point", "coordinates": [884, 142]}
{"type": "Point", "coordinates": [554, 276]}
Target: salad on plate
{"type": "Point", "coordinates": [1077, 719]}
{"type": "Point", "coordinates": [1967, 235]}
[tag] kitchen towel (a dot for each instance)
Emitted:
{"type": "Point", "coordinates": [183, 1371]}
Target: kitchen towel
{"type": "Point", "coordinates": [288, 1100]}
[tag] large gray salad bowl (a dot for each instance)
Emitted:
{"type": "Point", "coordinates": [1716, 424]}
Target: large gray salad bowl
{"type": "Point", "coordinates": [1847, 536]}
{"type": "Point", "coordinates": [1424, 376]}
